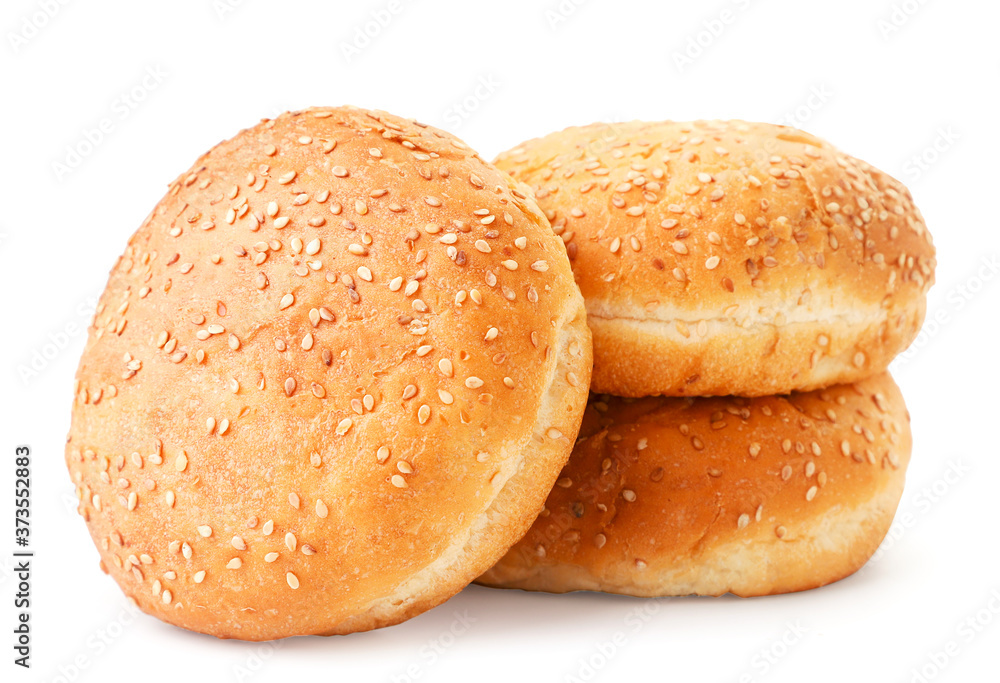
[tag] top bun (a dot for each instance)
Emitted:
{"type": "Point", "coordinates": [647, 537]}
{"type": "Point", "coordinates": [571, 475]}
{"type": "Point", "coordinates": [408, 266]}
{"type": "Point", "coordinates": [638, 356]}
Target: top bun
{"type": "Point", "coordinates": [330, 381]}
{"type": "Point", "coordinates": [728, 257]}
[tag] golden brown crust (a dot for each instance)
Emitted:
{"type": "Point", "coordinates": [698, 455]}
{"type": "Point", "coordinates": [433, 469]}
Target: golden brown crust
{"type": "Point", "coordinates": [752, 496]}
{"type": "Point", "coordinates": [728, 257]}
{"type": "Point", "coordinates": [331, 380]}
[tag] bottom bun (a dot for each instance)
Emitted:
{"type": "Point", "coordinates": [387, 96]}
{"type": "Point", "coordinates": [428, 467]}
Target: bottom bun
{"type": "Point", "coordinates": [706, 496]}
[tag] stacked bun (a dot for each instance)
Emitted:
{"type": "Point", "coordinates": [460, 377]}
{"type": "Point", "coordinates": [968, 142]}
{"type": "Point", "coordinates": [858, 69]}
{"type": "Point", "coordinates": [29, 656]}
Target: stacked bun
{"type": "Point", "coordinates": [726, 259]}
{"type": "Point", "coordinates": [340, 370]}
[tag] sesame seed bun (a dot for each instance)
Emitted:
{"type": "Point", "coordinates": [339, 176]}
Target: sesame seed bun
{"type": "Point", "coordinates": [722, 258]}
{"type": "Point", "coordinates": [330, 381]}
{"type": "Point", "coordinates": [706, 496]}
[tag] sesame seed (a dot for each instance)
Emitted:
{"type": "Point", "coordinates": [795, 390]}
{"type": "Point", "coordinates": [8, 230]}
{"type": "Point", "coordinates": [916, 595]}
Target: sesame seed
{"type": "Point", "coordinates": [473, 382]}
{"type": "Point", "coordinates": [712, 262]}
{"type": "Point", "coordinates": [271, 557]}
{"type": "Point", "coordinates": [293, 500]}
{"type": "Point", "coordinates": [398, 481]}
{"type": "Point", "coordinates": [553, 433]}
{"type": "Point", "coordinates": [268, 527]}
{"type": "Point", "coordinates": [293, 581]}
{"type": "Point", "coordinates": [492, 334]}
{"type": "Point", "coordinates": [446, 367]}
{"type": "Point", "coordinates": [290, 541]}
{"type": "Point", "coordinates": [423, 413]}
{"type": "Point", "coordinates": [205, 531]}
{"type": "Point", "coordinates": [289, 386]}
{"type": "Point", "coordinates": [199, 576]}
{"type": "Point", "coordinates": [811, 493]}
{"type": "Point", "coordinates": [743, 521]}
{"type": "Point", "coordinates": [629, 495]}
{"type": "Point", "coordinates": [344, 426]}
{"type": "Point", "coordinates": [365, 273]}
{"type": "Point", "coordinates": [321, 509]}
{"type": "Point", "coordinates": [286, 301]}
{"type": "Point", "coordinates": [239, 543]}
{"type": "Point", "coordinates": [181, 463]}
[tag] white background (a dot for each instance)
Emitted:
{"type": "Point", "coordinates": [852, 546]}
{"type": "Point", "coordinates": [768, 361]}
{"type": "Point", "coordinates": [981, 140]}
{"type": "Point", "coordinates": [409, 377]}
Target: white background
{"type": "Point", "coordinates": [910, 87]}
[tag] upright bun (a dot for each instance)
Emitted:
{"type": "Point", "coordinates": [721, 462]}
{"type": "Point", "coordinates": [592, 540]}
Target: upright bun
{"type": "Point", "coordinates": [330, 381]}
{"type": "Point", "coordinates": [752, 496]}
{"type": "Point", "coordinates": [730, 257]}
